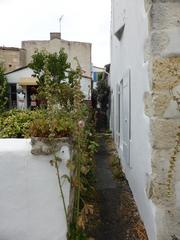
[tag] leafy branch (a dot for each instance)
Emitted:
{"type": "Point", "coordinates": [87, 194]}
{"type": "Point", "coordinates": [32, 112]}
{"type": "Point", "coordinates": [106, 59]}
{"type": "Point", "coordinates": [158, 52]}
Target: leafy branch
{"type": "Point", "coordinates": [3, 90]}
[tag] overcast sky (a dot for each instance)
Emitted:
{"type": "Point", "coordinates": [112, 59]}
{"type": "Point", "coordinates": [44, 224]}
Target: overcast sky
{"type": "Point", "coordinates": [84, 20]}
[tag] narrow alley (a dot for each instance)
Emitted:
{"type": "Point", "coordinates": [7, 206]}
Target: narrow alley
{"type": "Point", "coordinates": [119, 218]}
{"type": "Point", "coordinates": [109, 192]}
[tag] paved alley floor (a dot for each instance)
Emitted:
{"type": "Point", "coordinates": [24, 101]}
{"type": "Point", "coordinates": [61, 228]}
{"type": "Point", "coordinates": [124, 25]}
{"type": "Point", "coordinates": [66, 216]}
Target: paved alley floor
{"type": "Point", "coordinates": [117, 211]}
{"type": "Point", "coordinates": [108, 192]}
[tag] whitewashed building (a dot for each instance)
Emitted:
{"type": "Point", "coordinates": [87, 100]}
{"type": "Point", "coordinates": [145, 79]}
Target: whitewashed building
{"type": "Point", "coordinates": [145, 74]}
{"type": "Point", "coordinates": [23, 78]}
{"type": "Point", "coordinates": [20, 77]}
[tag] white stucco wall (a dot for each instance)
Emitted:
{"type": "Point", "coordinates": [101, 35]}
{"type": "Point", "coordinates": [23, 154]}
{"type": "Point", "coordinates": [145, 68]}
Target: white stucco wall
{"type": "Point", "coordinates": [15, 76]}
{"type": "Point", "coordinates": [128, 54]}
{"type": "Point", "coordinates": [30, 202]}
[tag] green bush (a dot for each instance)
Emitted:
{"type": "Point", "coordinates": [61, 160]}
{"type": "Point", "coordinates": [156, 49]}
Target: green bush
{"type": "Point", "coordinates": [19, 124]}
{"type": "Point", "coordinates": [16, 123]}
{"type": "Point", "coordinates": [60, 125]}
{"type": "Point", "coordinates": [3, 91]}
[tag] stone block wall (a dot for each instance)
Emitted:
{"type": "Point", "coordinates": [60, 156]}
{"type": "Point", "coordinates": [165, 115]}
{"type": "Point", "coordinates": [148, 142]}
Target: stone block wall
{"type": "Point", "coordinates": [161, 107]}
{"type": "Point", "coordinates": [12, 58]}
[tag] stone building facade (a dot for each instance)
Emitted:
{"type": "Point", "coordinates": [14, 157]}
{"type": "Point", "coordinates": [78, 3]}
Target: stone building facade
{"type": "Point", "coordinates": [80, 50]}
{"type": "Point", "coordinates": [145, 98]}
{"type": "Point", "coordinates": [75, 50]}
{"type": "Point", "coordinates": [12, 58]}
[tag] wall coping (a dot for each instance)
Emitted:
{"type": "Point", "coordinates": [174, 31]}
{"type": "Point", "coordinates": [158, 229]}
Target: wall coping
{"type": "Point", "coordinates": [15, 144]}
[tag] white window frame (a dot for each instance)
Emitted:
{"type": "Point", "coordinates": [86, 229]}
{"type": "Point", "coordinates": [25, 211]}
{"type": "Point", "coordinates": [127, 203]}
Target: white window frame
{"type": "Point", "coordinates": [121, 148]}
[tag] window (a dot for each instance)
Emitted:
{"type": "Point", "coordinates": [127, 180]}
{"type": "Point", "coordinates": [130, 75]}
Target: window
{"type": "Point", "coordinates": [12, 96]}
{"type": "Point", "coordinates": [121, 115]}
{"type": "Point", "coordinates": [118, 122]}
{"type": "Point", "coordinates": [124, 117]}
{"type": "Point", "coordinates": [112, 115]}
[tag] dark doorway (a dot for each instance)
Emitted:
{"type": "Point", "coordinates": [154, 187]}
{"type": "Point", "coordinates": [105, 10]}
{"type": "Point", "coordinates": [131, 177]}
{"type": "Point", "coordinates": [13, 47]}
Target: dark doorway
{"type": "Point", "coordinates": [12, 96]}
{"type": "Point", "coordinates": [30, 91]}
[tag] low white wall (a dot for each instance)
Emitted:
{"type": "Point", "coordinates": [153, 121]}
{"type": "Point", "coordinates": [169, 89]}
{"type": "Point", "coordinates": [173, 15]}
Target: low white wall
{"type": "Point", "coordinates": [30, 203]}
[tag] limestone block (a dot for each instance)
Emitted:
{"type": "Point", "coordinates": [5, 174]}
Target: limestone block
{"type": "Point", "coordinates": [165, 15]}
{"type": "Point", "coordinates": [173, 47]}
{"type": "Point", "coordinates": [160, 162]}
{"type": "Point", "coordinates": [163, 133]}
{"type": "Point", "coordinates": [160, 103]}
{"type": "Point", "coordinates": [148, 107]}
{"type": "Point", "coordinates": [165, 43]}
{"type": "Point", "coordinates": [147, 5]}
{"type": "Point", "coordinates": [147, 49]}
{"type": "Point", "coordinates": [152, 188]}
{"type": "Point", "coordinates": [165, 1]}
{"type": "Point", "coordinates": [166, 73]}
{"type": "Point", "coordinates": [168, 223]}
{"type": "Point", "coordinates": [161, 223]}
{"type": "Point", "coordinates": [160, 167]}
{"type": "Point", "coordinates": [43, 146]}
{"type": "Point", "coordinates": [158, 192]}
{"type": "Point", "coordinates": [177, 173]}
{"type": "Point", "coordinates": [159, 42]}
{"type": "Point", "coordinates": [173, 221]}
{"type": "Point", "coordinates": [172, 110]}
{"type": "Point", "coordinates": [177, 188]}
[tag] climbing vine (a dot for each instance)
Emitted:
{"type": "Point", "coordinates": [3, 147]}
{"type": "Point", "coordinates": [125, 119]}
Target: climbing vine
{"type": "Point", "coordinates": [176, 149]}
{"type": "Point", "coordinates": [103, 91]}
{"type": "Point", "coordinates": [64, 100]}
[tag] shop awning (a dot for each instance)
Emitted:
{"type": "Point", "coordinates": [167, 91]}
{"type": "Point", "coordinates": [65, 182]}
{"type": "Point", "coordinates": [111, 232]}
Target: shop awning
{"type": "Point", "coordinates": [28, 81]}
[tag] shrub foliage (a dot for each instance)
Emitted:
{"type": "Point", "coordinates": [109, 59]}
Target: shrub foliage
{"type": "Point", "coordinates": [3, 90]}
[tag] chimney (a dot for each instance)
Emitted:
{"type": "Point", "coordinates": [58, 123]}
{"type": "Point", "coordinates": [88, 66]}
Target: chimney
{"type": "Point", "coordinates": [54, 35]}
